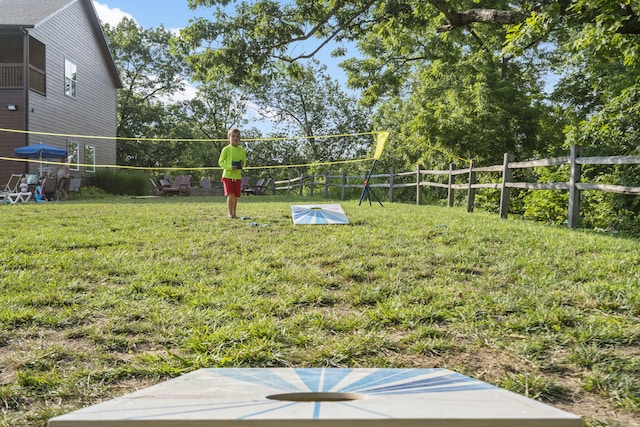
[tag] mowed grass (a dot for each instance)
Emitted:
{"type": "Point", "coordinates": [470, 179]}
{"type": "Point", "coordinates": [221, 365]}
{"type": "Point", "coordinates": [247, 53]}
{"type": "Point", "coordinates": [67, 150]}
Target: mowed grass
{"type": "Point", "coordinates": [98, 299]}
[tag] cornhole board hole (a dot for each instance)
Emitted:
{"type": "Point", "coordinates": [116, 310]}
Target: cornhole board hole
{"type": "Point", "coordinates": [318, 214]}
{"type": "Point", "coordinates": [288, 397]}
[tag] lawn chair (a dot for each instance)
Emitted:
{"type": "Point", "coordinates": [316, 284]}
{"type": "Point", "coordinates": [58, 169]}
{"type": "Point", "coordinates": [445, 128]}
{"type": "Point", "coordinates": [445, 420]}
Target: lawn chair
{"type": "Point", "coordinates": [262, 191]}
{"type": "Point", "coordinates": [156, 188]}
{"type": "Point", "coordinates": [75, 186]}
{"type": "Point", "coordinates": [50, 189]}
{"type": "Point", "coordinates": [180, 186]}
{"type": "Point", "coordinates": [251, 189]}
{"type": "Point", "coordinates": [12, 185]}
{"type": "Point", "coordinates": [260, 188]}
{"type": "Point", "coordinates": [244, 184]}
{"type": "Point", "coordinates": [19, 197]}
{"type": "Point", "coordinates": [205, 183]}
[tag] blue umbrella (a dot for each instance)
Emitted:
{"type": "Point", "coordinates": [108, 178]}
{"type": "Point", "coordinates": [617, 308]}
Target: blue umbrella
{"type": "Point", "coordinates": [40, 151]}
{"type": "Point", "coordinates": [318, 214]}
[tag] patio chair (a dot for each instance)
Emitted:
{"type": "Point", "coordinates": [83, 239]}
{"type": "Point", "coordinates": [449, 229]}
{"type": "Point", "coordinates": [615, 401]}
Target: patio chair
{"type": "Point", "coordinates": [251, 189]}
{"type": "Point", "coordinates": [180, 186]}
{"type": "Point", "coordinates": [205, 183]}
{"type": "Point", "coordinates": [156, 188]}
{"type": "Point", "coordinates": [244, 184]}
{"type": "Point", "coordinates": [12, 185]}
{"type": "Point", "coordinates": [260, 188]}
{"type": "Point", "coordinates": [19, 197]}
{"type": "Point", "coordinates": [75, 186]}
{"type": "Point", "coordinates": [185, 185]}
{"type": "Point", "coordinates": [50, 189]}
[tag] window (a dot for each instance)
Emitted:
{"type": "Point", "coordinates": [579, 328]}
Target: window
{"type": "Point", "coordinates": [90, 158]}
{"type": "Point", "coordinates": [70, 75]}
{"type": "Point", "coordinates": [73, 149]}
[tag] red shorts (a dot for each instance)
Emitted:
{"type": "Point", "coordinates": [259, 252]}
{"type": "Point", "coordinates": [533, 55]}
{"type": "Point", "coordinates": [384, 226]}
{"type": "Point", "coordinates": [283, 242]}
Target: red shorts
{"type": "Point", "coordinates": [232, 186]}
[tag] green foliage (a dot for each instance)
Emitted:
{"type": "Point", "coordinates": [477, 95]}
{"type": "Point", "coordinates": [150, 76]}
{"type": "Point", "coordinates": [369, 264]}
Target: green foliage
{"type": "Point", "coordinates": [310, 103]}
{"type": "Point", "coordinates": [157, 129]}
{"type": "Point", "coordinates": [548, 205]}
{"type": "Point", "coordinates": [149, 71]}
{"type": "Point", "coordinates": [470, 90]}
{"type": "Point", "coordinates": [122, 183]}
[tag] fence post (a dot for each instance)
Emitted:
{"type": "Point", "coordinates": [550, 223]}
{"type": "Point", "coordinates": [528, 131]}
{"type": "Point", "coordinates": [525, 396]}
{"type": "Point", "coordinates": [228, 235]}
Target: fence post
{"type": "Point", "coordinates": [471, 192]}
{"type": "Point", "coordinates": [391, 176]}
{"type": "Point", "coordinates": [344, 185]}
{"type": "Point", "coordinates": [312, 184]}
{"type": "Point", "coordinates": [574, 192]}
{"type": "Point", "coordinates": [301, 184]}
{"type": "Point", "coordinates": [418, 189]}
{"type": "Point", "coordinates": [449, 187]}
{"type": "Point", "coordinates": [288, 186]}
{"type": "Point", "coordinates": [505, 191]}
{"type": "Point", "coordinates": [326, 185]}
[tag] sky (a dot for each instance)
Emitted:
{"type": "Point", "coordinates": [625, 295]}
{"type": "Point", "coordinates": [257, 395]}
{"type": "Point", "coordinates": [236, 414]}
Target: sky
{"type": "Point", "coordinates": [174, 15]}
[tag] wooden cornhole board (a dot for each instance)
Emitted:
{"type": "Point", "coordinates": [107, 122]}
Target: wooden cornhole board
{"type": "Point", "coordinates": [287, 397]}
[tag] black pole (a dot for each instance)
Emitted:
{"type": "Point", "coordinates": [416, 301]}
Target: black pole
{"type": "Point", "coordinates": [366, 190]}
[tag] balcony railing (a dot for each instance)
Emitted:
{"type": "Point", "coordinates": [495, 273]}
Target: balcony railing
{"type": "Point", "coordinates": [11, 76]}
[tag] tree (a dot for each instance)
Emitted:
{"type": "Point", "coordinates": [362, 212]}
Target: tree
{"type": "Point", "coordinates": [454, 55]}
{"type": "Point", "coordinates": [310, 104]}
{"type": "Point", "coordinates": [155, 127]}
{"type": "Point", "coordinates": [216, 107]}
{"type": "Point", "coordinates": [248, 43]}
{"type": "Point", "coordinates": [151, 76]}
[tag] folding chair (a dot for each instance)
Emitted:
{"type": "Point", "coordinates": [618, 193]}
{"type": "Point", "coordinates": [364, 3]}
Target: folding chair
{"type": "Point", "coordinates": [19, 197]}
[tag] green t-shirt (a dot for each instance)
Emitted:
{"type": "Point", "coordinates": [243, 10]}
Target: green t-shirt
{"type": "Point", "coordinates": [232, 154]}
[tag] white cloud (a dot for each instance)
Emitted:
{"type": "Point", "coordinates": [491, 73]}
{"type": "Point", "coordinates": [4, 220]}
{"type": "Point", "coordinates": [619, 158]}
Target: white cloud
{"type": "Point", "coordinates": [113, 16]}
{"type": "Point", "coordinates": [189, 92]}
{"type": "Point", "coordinates": [110, 16]}
{"type": "Point", "coordinates": [255, 112]}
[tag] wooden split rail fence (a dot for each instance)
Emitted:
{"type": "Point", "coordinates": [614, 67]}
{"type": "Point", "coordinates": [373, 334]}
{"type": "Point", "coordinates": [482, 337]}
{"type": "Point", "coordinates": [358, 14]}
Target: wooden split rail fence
{"type": "Point", "coordinates": [574, 186]}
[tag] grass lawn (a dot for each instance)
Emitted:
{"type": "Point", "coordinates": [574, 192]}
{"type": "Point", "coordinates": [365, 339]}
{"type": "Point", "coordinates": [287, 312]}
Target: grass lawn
{"type": "Point", "coordinates": [99, 298]}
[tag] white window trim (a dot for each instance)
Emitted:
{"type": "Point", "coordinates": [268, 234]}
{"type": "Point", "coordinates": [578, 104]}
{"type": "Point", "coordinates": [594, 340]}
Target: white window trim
{"type": "Point", "coordinates": [74, 163]}
{"type": "Point", "coordinates": [72, 92]}
{"type": "Point", "coordinates": [90, 162]}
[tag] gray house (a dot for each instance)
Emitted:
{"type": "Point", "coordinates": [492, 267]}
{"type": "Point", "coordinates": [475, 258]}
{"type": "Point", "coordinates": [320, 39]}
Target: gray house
{"type": "Point", "coordinates": [57, 76]}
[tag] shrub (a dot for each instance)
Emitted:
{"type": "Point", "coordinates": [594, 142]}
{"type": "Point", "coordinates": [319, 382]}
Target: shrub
{"type": "Point", "coordinates": [122, 183]}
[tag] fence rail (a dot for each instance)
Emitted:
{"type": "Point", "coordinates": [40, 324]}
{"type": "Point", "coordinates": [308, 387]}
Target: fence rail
{"type": "Point", "coordinates": [574, 186]}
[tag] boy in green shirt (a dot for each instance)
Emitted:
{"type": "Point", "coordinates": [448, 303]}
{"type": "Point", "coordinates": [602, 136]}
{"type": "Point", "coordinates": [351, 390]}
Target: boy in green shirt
{"type": "Point", "coordinates": [232, 159]}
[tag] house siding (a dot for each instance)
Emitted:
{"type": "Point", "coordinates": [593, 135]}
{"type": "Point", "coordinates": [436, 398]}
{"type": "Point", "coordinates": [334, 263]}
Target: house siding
{"type": "Point", "coordinates": [11, 140]}
{"type": "Point", "coordinates": [69, 34]}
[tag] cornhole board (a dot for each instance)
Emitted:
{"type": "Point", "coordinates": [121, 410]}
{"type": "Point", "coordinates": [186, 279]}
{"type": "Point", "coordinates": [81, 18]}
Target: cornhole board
{"type": "Point", "coordinates": [318, 214]}
{"type": "Point", "coordinates": [287, 397]}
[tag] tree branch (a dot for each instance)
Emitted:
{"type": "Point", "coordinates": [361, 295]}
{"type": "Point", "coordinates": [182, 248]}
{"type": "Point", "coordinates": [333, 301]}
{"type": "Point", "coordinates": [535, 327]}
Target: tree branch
{"type": "Point", "coordinates": [318, 27]}
{"type": "Point", "coordinates": [487, 16]}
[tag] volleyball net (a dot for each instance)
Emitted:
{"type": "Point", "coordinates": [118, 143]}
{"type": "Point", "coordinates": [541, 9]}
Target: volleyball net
{"type": "Point", "coordinates": [263, 153]}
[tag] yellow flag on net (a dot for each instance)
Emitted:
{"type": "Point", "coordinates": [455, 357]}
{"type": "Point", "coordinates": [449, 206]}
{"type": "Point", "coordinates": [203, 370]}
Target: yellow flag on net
{"type": "Point", "coordinates": [380, 141]}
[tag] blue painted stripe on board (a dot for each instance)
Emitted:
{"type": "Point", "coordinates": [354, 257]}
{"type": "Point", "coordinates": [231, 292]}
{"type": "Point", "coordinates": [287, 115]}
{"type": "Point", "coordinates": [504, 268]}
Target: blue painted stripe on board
{"type": "Point", "coordinates": [316, 411]}
{"type": "Point", "coordinates": [259, 376]}
{"type": "Point", "coordinates": [382, 377]}
{"type": "Point", "coordinates": [431, 385]}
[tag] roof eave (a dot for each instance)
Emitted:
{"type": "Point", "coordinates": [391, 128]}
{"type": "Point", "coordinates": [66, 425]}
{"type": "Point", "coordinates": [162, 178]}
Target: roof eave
{"type": "Point", "coordinates": [14, 27]}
